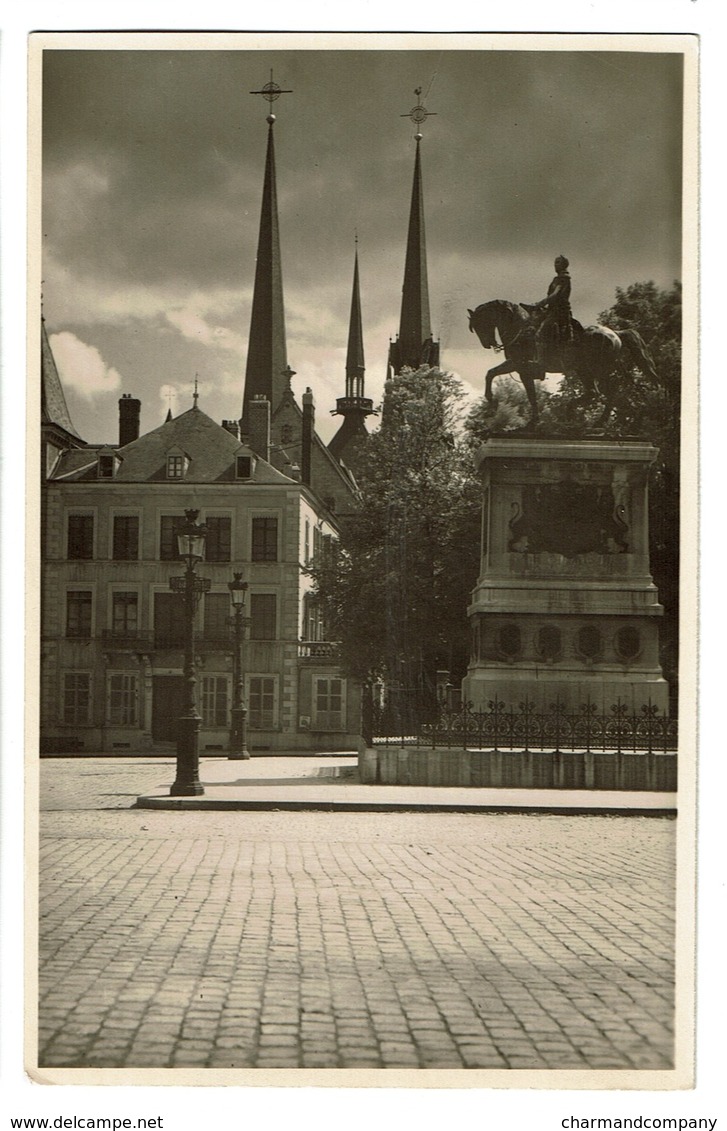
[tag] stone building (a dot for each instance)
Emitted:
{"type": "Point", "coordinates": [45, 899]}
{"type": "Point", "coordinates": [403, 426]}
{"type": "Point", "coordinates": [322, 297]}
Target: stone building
{"type": "Point", "coordinates": [112, 635]}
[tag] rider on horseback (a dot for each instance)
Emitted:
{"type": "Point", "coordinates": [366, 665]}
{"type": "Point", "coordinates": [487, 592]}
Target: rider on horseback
{"type": "Point", "coordinates": [555, 327]}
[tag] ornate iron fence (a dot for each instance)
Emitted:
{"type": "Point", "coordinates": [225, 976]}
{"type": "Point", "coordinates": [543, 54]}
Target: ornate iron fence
{"type": "Point", "coordinates": [525, 728]}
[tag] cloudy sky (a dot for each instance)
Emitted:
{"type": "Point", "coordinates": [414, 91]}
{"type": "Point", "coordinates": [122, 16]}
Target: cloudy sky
{"type": "Point", "coordinates": [152, 180]}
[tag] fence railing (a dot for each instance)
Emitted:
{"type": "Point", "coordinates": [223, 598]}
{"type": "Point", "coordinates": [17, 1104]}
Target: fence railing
{"type": "Point", "coordinates": [318, 649]}
{"type": "Point", "coordinates": [525, 728]}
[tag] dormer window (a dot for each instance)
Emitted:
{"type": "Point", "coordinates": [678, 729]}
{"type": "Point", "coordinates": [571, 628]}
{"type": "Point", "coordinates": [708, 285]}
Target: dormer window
{"type": "Point", "coordinates": [244, 467]}
{"type": "Point", "coordinates": [107, 465]}
{"type": "Point", "coordinates": [177, 464]}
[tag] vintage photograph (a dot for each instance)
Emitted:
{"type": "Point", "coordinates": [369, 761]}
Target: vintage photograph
{"type": "Point", "coordinates": [364, 451]}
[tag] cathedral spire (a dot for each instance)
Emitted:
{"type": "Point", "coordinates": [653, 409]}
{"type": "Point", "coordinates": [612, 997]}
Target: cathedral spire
{"type": "Point", "coordinates": [355, 366]}
{"type": "Point", "coordinates": [266, 351]}
{"type": "Point", "coordinates": [354, 407]}
{"type": "Point", "coordinates": [414, 346]}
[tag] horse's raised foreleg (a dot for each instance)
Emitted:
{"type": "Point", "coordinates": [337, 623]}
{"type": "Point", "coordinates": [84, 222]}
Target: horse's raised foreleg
{"type": "Point", "coordinates": [496, 371]}
{"type": "Point", "coordinates": [529, 386]}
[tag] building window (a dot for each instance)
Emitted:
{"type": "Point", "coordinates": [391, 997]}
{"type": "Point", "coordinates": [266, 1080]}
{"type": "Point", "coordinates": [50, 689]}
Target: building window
{"type": "Point", "coordinates": [329, 702]}
{"type": "Point", "coordinates": [168, 548]}
{"type": "Point", "coordinates": [548, 643]}
{"type": "Point", "coordinates": [219, 538]}
{"type": "Point", "coordinates": [264, 539]}
{"type": "Point", "coordinates": [126, 538]}
{"type": "Point", "coordinates": [263, 619]}
{"type": "Point", "coordinates": [106, 465]}
{"type": "Point", "coordinates": [168, 621]}
{"type": "Point", "coordinates": [176, 466]}
{"type": "Point", "coordinates": [306, 548]}
{"type": "Point", "coordinates": [122, 699]}
{"type": "Point", "coordinates": [261, 702]}
{"type": "Point", "coordinates": [80, 537]}
{"type": "Point", "coordinates": [313, 628]}
{"type": "Point", "coordinates": [286, 434]}
{"type": "Point", "coordinates": [77, 697]}
{"type": "Point", "coordinates": [243, 467]}
{"type": "Point", "coordinates": [628, 643]}
{"type": "Point", "coordinates": [125, 613]}
{"type": "Point", "coordinates": [214, 700]}
{"type": "Point", "coordinates": [217, 619]}
{"type": "Point", "coordinates": [79, 605]}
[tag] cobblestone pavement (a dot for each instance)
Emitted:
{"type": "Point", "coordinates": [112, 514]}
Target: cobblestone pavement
{"type": "Point", "coordinates": [342, 940]}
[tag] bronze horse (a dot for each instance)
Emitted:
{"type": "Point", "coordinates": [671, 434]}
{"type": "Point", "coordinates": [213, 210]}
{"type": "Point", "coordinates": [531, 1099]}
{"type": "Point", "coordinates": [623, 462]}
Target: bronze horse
{"type": "Point", "coordinates": [593, 356]}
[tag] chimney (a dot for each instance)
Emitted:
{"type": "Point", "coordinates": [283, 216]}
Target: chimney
{"type": "Point", "coordinates": [259, 426]}
{"type": "Point", "coordinates": [233, 427]}
{"type": "Point", "coordinates": [309, 415]}
{"type": "Point", "coordinates": [129, 413]}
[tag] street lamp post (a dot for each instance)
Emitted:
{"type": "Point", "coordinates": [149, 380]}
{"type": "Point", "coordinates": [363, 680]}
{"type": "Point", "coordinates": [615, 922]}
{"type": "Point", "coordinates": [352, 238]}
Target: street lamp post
{"type": "Point", "coordinates": [238, 727]}
{"type": "Point", "coordinates": [190, 540]}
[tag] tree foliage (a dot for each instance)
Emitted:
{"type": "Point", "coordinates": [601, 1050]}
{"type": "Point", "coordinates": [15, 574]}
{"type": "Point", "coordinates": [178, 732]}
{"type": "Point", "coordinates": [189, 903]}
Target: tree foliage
{"type": "Point", "coordinates": [654, 413]}
{"type": "Point", "coordinates": [397, 592]}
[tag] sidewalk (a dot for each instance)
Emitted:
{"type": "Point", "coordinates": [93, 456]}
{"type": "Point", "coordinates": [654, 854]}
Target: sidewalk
{"type": "Point", "coordinates": [326, 782]}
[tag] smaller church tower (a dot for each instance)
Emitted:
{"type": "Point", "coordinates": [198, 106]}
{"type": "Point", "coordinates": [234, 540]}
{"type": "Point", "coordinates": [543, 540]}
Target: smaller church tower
{"type": "Point", "coordinates": [354, 407]}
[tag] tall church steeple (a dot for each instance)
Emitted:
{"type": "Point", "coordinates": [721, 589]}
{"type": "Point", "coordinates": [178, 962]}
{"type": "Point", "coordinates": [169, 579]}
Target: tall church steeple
{"type": "Point", "coordinates": [354, 407]}
{"type": "Point", "coordinates": [53, 406]}
{"type": "Point", "coordinates": [414, 345]}
{"type": "Point", "coordinates": [266, 352]}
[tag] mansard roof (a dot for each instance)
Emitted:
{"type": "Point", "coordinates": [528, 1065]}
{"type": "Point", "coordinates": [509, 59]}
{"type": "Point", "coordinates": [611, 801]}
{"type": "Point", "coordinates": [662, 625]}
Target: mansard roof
{"type": "Point", "coordinates": [211, 450]}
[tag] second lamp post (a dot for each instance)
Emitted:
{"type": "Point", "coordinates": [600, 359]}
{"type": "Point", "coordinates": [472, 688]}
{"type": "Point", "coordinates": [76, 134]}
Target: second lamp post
{"type": "Point", "coordinates": [238, 728]}
{"type": "Point", "coordinates": [190, 587]}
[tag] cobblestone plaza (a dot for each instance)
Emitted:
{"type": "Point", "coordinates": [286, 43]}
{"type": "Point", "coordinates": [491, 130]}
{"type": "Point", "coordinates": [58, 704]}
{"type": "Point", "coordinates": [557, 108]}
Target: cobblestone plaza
{"type": "Point", "coordinates": [347, 940]}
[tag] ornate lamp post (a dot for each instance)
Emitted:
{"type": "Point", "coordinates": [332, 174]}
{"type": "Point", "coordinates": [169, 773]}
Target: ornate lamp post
{"type": "Point", "coordinates": [238, 728]}
{"type": "Point", "coordinates": [190, 540]}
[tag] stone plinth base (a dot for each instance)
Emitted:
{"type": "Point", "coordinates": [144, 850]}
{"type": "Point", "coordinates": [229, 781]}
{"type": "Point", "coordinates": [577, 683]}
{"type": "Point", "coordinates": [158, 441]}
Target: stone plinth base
{"type": "Point", "coordinates": [488, 769]}
{"type": "Point", "coordinates": [565, 609]}
{"type": "Point", "coordinates": [542, 687]}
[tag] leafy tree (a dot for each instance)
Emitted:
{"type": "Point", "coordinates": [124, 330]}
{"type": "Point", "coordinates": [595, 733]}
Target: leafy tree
{"type": "Point", "coordinates": [652, 411]}
{"type": "Point", "coordinates": [397, 591]}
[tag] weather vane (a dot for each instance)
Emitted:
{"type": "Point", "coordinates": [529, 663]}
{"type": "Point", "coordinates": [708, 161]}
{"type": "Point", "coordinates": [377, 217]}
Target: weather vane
{"type": "Point", "coordinates": [196, 389]}
{"type": "Point", "coordinates": [270, 92]}
{"type": "Point", "coordinates": [419, 114]}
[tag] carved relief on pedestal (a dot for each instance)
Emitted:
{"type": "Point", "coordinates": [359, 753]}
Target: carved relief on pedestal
{"type": "Point", "coordinates": [569, 518]}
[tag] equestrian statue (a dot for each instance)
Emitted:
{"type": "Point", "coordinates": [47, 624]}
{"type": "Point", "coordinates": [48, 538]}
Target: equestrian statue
{"type": "Point", "coordinates": [545, 338]}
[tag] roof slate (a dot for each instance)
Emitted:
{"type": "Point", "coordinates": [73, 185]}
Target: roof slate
{"type": "Point", "coordinates": [211, 450]}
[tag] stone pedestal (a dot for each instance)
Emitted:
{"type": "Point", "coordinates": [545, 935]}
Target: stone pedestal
{"type": "Point", "coordinates": [565, 607]}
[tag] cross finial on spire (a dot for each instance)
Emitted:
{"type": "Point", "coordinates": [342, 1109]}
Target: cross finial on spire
{"type": "Point", "coordinates": [419, 114]}
{"type": "Point", "coordinates": [195, 396]}
{"type": "Point", "coordinates": [270, 92]}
